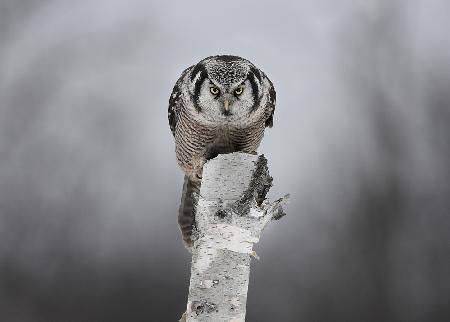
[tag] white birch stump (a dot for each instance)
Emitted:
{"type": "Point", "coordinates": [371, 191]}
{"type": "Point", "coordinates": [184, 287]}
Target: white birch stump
{"type": "Point", "coordinates": [230, 216]}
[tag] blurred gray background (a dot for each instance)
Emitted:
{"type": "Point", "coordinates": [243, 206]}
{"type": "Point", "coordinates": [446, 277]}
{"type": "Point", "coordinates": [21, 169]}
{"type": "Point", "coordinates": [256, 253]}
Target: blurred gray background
{"type": "Point", "coordinates": [89, 185]}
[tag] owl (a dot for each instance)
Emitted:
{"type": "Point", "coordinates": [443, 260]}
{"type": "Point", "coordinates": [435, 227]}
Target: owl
{"type": "Point", "coordinates": [220, 105]}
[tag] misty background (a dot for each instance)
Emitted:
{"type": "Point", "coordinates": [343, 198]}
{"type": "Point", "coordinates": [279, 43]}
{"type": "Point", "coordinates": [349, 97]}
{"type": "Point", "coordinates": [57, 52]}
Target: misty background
{"type": "Point", "coordinates": [89, 184]}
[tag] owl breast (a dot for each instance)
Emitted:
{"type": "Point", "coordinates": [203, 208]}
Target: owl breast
{"type": "Point", "coordinates": [196, 142]}
{"type": "Point", "coordinates": [229, 138]}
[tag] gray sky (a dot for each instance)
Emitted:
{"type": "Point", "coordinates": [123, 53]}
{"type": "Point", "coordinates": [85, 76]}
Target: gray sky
{"type": "Point", "coordinates": [89, 185]}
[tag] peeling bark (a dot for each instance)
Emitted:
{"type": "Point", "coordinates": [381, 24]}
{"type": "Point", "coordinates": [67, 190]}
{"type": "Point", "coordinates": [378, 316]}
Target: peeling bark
{"type": "Point", "coordinates": [231, 213]}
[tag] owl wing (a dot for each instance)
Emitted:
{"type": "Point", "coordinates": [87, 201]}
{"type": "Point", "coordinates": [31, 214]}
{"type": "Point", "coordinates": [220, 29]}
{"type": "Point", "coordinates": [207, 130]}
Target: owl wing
{"type": "Point", "coordinates": [175, 101]}
{"type": "Point", "coordinates": [270, 105]}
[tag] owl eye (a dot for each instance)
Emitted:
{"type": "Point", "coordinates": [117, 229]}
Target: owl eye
{"type": "Point", "coordinates": [239, 90]}
{"type": "Point", "coordinates": [214, 90]}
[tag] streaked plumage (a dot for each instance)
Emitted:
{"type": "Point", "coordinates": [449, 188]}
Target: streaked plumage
{"type": "Point", "coordinates": [220, 105]}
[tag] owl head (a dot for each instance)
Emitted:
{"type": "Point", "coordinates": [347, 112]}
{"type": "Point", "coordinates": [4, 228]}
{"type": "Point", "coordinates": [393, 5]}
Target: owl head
{"type": "Point", "coordinates": [227, 89]}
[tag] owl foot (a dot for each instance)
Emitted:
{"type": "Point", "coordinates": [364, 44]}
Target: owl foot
{"type": "Point", "coordinates": [197, 171]}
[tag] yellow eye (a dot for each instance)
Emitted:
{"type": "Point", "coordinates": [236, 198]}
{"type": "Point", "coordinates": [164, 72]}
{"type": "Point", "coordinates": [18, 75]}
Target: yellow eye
{"type": "Point", "coordinates": [239, 90]}
{"type": "Point", "coordinates": [214, 90]}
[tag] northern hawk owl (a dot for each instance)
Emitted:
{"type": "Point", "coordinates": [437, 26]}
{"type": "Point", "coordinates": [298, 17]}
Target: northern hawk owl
{"type": "Point", "coordinates": [220, 105]}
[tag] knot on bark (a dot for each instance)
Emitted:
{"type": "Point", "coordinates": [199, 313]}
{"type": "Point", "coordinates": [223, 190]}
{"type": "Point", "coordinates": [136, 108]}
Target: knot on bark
{"type": "Point", "coordinates": [200, 307]}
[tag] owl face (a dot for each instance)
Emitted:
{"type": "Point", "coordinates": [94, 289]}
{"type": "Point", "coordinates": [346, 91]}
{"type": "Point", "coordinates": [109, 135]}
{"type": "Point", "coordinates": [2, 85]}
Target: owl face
{"type": "Point", "coordinates": [225, 89]}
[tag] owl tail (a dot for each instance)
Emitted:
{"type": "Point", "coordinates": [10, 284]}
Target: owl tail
{"type": "Point", "coordinates": [186, 218]}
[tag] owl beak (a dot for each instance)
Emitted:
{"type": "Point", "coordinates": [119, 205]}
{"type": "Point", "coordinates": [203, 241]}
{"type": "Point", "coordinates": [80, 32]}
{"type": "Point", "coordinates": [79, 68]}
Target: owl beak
{"type": "Point", "coordinates": [225, 104]}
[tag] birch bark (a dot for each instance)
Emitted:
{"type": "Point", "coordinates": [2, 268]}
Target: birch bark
{"type": "Point", "coordinates": [231, 213]}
